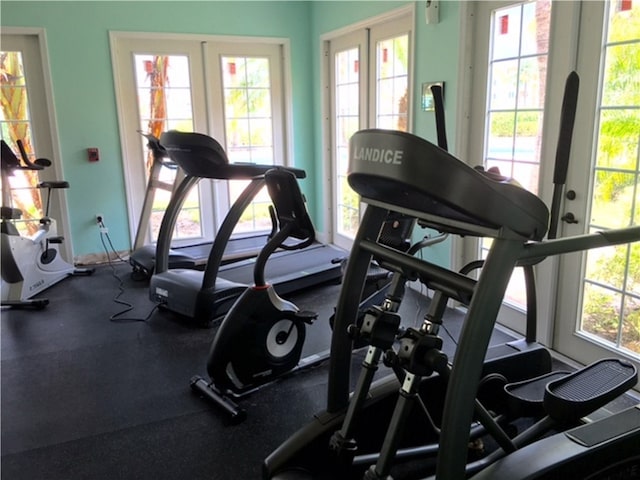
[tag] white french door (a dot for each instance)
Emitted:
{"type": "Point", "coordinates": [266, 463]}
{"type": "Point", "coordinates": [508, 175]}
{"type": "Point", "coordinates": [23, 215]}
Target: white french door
{"type": "Point", "coordinates": [245, 83]}
{"type": "Point", "coordinates": [160, 87]}
{"type": "Point", "coordinates": [508, 127]}
{"type": "Point", "coordinates": [369, 71]}
{"type": "Point", "coordinates": [233, 92]}
{"type": "Point", "coordinates": [599, 291]}
{"type": "Point", "coordinates": [25, 115]}
{"type": "Point", "coordinates": [523, 52]}
{"type": "Point", "coordinates": [348, 114]}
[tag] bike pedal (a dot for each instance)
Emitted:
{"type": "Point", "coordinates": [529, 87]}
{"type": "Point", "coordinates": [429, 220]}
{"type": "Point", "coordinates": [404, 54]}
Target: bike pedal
{"type": "Point", "coordinates": [306, 316]}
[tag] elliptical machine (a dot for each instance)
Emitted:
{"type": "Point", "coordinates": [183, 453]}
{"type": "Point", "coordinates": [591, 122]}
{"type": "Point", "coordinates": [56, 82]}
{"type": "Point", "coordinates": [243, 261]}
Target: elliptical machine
{"type": "Point", "coordinates": [348, 440]}
{"type": "Point", "coordinates": [262, 335]}
{"type": "Point", "coordinates": [29, 264]}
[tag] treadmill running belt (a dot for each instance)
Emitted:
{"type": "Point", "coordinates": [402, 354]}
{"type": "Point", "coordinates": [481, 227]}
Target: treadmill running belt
{"type": "Point", "coordinates": [237, 248]}
{"type": "Point", "coordinates": [290, 271]}
{"type": "Point", "coordinates": [196, 256]}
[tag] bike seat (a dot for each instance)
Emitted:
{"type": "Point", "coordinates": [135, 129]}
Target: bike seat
{"type": "Point", "coordinates": [54, 184]}
{"type": "Point", "coordinates": [9, 213]}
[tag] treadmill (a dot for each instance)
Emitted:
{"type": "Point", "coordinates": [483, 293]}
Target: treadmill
{"type": "Point", "coordinates": [205, 296]}
{"type": "Point", "coordinates": [142, 258]}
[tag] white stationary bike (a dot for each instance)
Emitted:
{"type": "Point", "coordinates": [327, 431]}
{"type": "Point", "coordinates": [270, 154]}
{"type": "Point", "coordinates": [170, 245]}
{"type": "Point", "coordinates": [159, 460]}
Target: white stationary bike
{"type": "Point", "coordinates": [29, 264]}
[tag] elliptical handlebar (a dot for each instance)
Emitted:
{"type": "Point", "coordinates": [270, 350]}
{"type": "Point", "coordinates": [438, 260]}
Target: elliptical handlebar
{"type": "Point", "coordinates": [438, 102]}
{"type": "Point", "coordinates": [563, 150]}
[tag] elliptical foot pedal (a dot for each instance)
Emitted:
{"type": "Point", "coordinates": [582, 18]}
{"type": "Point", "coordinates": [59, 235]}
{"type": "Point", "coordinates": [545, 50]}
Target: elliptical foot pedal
{"type": "Point", "coordinates": [526, 398]}
{"type": "Point", "coordinates": [54, 184]}
{"type": "Point", "coordinates": [584, 391]}
{"type": "Point", "coordinates": [8, 213]}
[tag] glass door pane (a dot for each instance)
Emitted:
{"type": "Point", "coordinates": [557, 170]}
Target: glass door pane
{"type": "Point", "coordinates": [163, 88]}
{"type": "Point", "coordinates": [15, 124]}
{"type": "Point", "coordinates": [347, 122]}
{"type": "Point", "coordinates": [369, 76]}
{"type": "Point", "coordinates": [610, 307]}
{"type": "Point", "coordinates": [248, 119]}
{"type": "Point", "coordinates": [392, 67]}
{"type": "Point", "coordinates": [516, 86]}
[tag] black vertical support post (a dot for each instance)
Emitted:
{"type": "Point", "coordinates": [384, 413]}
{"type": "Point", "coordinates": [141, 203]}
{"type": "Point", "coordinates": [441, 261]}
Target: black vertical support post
{"type": "Point", "coordinates": [467, 368]}
{"type": "Point", "coordinates": [169, 222]}
{"type": "Point", "coordinates": [401, 413]}
{"type": "Point", "coordinates": [347, 308]}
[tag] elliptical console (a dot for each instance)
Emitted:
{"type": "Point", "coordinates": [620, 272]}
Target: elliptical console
{"type": "Point", "coordinates": [422, 177]}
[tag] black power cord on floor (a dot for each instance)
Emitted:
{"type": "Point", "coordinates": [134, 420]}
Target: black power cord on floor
{"type": "Point", "coordinates": [118, 317]}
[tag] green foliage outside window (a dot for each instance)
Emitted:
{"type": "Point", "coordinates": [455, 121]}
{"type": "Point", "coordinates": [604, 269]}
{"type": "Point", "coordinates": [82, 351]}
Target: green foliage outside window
{"type": "Point", "coordinates": [611, 304]}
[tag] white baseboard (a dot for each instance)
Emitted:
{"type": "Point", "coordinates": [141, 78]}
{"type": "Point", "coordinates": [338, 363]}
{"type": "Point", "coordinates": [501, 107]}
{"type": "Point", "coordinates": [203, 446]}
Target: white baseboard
{"type": "Point", "coordinates": [99, 258]}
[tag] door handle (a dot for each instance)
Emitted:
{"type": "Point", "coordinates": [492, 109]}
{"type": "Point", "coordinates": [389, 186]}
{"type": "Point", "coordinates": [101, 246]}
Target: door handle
{"type": "Point", "coordinates": [569, 218]}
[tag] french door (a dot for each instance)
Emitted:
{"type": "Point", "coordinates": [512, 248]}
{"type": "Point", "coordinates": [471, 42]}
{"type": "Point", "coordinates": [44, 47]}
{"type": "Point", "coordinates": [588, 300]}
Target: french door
{"type": "Point", "coordinates": [233, 92]}
{"type": "Point", "coordinates": [508, 127]}
{"type": "Point", "coordinates": [599, 291]}
{"type": "Point", "coordinates": [25, 115]}
{"type": "Point", "coordinates": [159, 87]}
{"type": "Point", "coordinates": [523, 53]}
{"type": "Point", "coordinates": [369, 71]}
{"type": "Point", "coordinates": [245, 82]}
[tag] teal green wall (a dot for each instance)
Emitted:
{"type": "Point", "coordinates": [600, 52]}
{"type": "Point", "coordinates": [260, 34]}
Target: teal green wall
{"type": "Point", "coordinates": [437, 57]}
{"type": "Point", "coordinates": [85, 107]}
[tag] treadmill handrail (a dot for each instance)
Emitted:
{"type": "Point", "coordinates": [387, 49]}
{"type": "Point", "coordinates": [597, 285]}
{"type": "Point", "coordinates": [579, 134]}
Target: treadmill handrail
{"type": "Point", "coordinates": [169, 221]}
{"type": "Point", "coordinates": [226, 230]}
{"type": "Point", "coordinates": [200, 155]}
{"type": "Point", "coordinates": [180, 147]}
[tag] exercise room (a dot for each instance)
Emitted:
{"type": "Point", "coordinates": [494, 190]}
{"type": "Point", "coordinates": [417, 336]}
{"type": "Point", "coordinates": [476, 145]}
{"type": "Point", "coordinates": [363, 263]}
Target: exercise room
{"type": "Point", "coordinates": [296, 240]}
